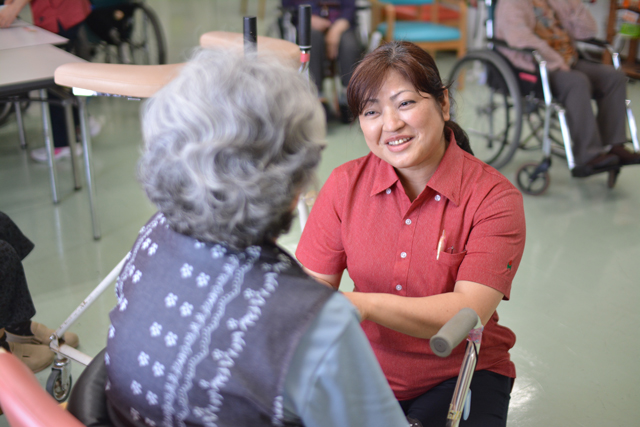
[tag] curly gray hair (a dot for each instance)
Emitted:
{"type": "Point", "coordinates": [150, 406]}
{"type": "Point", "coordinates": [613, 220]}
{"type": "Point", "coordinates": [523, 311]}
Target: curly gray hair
{"type": "Point", "coordinates": [229, 145]}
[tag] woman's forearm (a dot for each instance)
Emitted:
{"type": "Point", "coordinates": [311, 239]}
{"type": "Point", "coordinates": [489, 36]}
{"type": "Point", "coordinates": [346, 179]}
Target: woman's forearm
{"type": "Point", "coordinates": [422, 317]}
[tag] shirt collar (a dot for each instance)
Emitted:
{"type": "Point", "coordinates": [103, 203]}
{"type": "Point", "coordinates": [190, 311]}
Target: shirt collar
{"type": "Point", "coordinates": [385, 175]}
{"type": "Point", "coordinates": [446, 180]}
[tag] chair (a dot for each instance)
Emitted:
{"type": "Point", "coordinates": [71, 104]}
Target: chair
{"type": "Point", "coordinates": [492, 98]}
{"type": "Point", "coordinates": [24, 401]}
{"type": "Point", "coordinates": [433, 35]}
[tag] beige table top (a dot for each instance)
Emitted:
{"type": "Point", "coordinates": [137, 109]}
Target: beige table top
{"type": "Point", "coordinates": [22, 34]}
{"type": "Point", "coordinates": [32, 67]}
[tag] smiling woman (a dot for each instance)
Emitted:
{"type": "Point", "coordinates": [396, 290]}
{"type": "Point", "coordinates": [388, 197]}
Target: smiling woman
{"type": "Point", "coordinates": [453, 236]}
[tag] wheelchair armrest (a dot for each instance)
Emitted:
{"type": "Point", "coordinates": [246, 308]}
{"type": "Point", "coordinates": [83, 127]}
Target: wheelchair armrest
{"type": "Point", "coordinates": [596, 42]}
{"type": "Point", "coordinates": [502, 43]}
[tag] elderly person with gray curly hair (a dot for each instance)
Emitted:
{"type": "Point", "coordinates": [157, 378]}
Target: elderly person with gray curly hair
{"type": "Point", "coordinates": [215, 324]}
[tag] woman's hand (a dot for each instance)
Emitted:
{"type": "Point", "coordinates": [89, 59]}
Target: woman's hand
{"type": "Point", "coordinates": [8, 14]}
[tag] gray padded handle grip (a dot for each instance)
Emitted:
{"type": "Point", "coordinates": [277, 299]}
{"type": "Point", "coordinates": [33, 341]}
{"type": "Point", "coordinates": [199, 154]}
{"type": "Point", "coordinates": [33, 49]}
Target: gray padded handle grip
{"type": "Point", "coordinates": [453, 332]}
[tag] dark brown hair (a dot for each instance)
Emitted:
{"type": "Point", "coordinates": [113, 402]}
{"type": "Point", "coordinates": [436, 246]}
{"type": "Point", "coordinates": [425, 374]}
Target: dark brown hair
{"type": "Point", "coordinates": [415, 64]}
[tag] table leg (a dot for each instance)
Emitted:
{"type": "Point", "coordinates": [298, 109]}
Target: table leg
{"type": "Point", "coordinates": [21, 133]}
{"type": "Point", "coordinates": [48, 142]}
{"type": "Point", "coordinates": [71, 137]}
{"type": "Point", "coordinates": [86, 145]}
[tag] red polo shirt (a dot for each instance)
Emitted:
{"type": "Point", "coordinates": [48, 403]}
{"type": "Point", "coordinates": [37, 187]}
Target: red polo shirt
{"type": "Point", "coordinates": [48, 13]}
{"type": "Point", "coordinates": [363, 221]}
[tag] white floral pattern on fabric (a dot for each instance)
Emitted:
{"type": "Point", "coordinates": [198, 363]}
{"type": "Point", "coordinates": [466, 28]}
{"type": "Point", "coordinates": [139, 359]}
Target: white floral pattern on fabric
{"type": "Point", "coordinates": [278, 411]}
{"type": "Point", "coordinates": [186, 270]}
{"type": "Point", "coordinates": [107, 359]}
{"type": "Point", "coordinates": [186, 309]}
{"type": "Point", "coordinates": [198, 244]}
{"type": "Point", "coordinates": [143, 359]}
{"type": "Point", "coordinates": [123, 304]}
{"type": "Point", "coordinates": [146, 243]}
{"type": "Point", "coordinates": [136, 387]}
{"type": "Point", "coordinates": [158, 369]}
{"type": "Point", "coordinates": [135, 414]}
{"type": "Point", "coordinates": [153, 249]}
{"type": "Point", "coordinates": [112, 331]}
{"type": "Point", "coordinates": [155, 329]}
{"type": "Point", "coordinates": [171, 339]}
{"type": "Point", "coordinates": [136, 277]}
{"type": "Point", "coordinates": [149, 422]}
{"type": "Point", "coordinates": [152, 398]}
{"type": "Point", "coordinates": [202, 280]}
{"type": "Point", "coordinates": [218, 251]}
{"type": "Point", "coordinates": [171, 300]}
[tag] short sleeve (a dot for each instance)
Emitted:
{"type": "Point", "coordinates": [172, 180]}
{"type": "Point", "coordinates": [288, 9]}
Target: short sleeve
{"type": "Point", "coordinates": [496, 242]}
{"type": "Point", "coordinates": [321, 248]}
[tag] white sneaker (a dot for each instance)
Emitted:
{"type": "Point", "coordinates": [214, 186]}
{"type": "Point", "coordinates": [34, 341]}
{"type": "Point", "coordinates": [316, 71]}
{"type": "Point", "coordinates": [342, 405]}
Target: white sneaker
{"type": "Point", "coordinates": [40, 154]}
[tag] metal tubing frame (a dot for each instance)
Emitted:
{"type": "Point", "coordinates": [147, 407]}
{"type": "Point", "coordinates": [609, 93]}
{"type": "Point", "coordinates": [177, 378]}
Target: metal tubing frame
{"type": "Point", "coordinates": [71, 352]}
{"type": "Point", "coordinates": [21, 133]}
{"type": "Point", "coordinates": [48, 142]}
{"type": "Point", "coordinates": [71, 139]}
{"type": "Point", "coordinates": [464, 378]}
{"type": "Point", "coordinates": [633, 129]}
{"type": "Point", "coordinates": [86, 145]}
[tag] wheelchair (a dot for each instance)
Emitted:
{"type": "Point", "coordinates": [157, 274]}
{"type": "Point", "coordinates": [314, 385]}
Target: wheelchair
{"type": "Point", "coordinates": [125, 32]}
{"type": "Point", "coordinates": [284, 27]}
{"type": "Point", "coordinates": [494, 99]}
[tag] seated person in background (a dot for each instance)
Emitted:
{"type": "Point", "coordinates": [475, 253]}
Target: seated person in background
{"type": "Point", "coordinates": [63, 17]}
{"type": "Point", "coordinates": [27, 340]}
{"type": "Point", "coordinates": [550, 27]}
{"type": "Point", "coordinates": [332, 37]}
{"type": "Point", "coordinates": [216, 324]}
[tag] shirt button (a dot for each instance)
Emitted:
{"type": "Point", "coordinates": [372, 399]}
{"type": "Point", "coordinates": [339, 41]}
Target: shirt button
{"type": "Point", "coordinates": [388, 191]}
{"type": "Point", "coordinates": [398, 287]}
{"type": "Point", "coordinates": [408, 222]}
{"type": "Point", "coordinates": [403, 255]}
{"type": "Point", "coordinates": [437, 198]}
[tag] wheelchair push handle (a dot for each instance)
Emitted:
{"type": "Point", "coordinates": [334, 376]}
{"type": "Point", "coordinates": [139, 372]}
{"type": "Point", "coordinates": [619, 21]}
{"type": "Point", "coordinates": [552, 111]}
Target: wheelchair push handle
{"type": "Point", "coordinates": [304, 26]}
{"type": "Point", "coordinates": [454, 332]}
{"type": "Point", "coordinates": [250, 34]}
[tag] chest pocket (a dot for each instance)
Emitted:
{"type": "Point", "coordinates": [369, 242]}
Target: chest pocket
{"type": "Point", "coordinates": [448, 265]}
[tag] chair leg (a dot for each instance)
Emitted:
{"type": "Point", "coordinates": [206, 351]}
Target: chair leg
{"type": "Point", "coordinates": [566, 137]}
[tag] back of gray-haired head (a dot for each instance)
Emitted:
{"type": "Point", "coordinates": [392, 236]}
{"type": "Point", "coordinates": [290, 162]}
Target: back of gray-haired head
{"type": "Point", "coordinates": [229, 145]}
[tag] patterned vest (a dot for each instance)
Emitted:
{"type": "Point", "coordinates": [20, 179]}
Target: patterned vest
{"type": "Point", "coordinates": [203, 335]}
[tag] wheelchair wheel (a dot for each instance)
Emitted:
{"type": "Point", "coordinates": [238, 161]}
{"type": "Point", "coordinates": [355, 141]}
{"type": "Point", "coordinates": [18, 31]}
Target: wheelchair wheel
{"type": "Point", "coordinates": [144, 42]}
{"type": "Point", "coordinates": [488, 105]}
{"type": "Point", "coordinates": [533, 179]}
{"type": "Point", "coordinates": [56, 386]}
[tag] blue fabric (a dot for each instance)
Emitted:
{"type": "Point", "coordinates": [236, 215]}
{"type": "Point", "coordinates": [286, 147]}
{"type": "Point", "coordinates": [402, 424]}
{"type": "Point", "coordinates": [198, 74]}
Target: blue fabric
{"type": "Point", "coordinates": [421, 31]}
{"type": "Point", "coordinates": [328, 386]}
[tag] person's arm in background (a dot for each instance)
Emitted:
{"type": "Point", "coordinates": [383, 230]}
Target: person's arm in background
{"type": "Point", "coordinates": [334, 378]}
{"type": "Point", "coordinates": [514, 24]}
{"type": "Point", "coordinates": [10, 11]}
{"type": "Point", "coordinates": [576, 19]}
